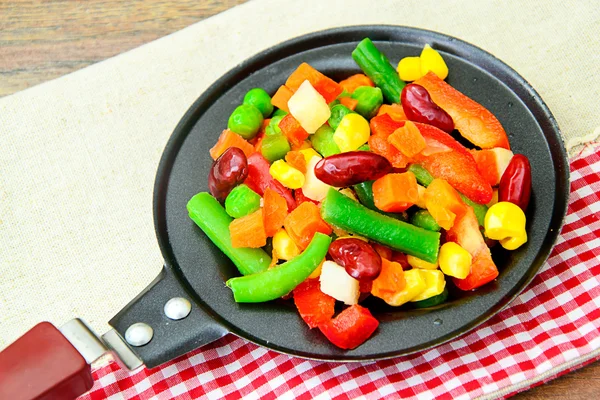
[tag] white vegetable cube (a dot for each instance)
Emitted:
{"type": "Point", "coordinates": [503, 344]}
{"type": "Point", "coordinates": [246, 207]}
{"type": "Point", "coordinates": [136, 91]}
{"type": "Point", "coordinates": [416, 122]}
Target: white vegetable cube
{"type": "Point", "coordinates": [336, 282]}
{"type": "Point", "coordinates": [313, 187]}
{"type": "Point", "coordinates": [309, 108]}
{"type": "Point", "coordinates": [503, 157]}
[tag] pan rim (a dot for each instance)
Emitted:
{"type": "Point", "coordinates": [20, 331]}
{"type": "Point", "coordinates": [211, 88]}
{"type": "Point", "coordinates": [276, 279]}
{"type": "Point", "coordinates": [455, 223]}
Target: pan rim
{"type": "Point", "coordinates": [377, 33]}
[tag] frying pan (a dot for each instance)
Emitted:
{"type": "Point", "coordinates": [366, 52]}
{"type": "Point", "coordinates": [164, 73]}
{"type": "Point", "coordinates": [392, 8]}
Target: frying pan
{"type": "Point", "coordinates": [195, 269]}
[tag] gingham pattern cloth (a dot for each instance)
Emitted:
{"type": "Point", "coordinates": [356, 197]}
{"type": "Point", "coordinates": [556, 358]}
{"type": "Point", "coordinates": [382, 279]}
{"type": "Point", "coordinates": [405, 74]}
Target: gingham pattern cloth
{"type": "Point", "coordinates": [550, 329]}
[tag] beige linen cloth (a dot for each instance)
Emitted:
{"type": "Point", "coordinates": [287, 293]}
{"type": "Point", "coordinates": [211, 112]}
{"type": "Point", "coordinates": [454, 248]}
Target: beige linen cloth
{"type": "Point", "coordinates": [78, 154]}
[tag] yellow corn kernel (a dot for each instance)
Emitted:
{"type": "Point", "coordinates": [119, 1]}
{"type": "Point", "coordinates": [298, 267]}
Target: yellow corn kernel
{"type": "Point", "coordinates": [352, 132]}
{"type": "Point", "coordinates": [317, 272]}
{"type": "Point", "coordinates": [415, 284]}
{"type": "Point", "coordinates": [284, 246]}
{"type": "Point", "coordinates": [287, 175]}
{"type": "Point", "coordinates": [309, 154]}
{"type": "Point", "coordinates": [421, 202]}
{"type": "Point", "coordinates": [409, 69]}
{"type": "Point", "coordinates": [416, 262]}
{"type": "Point", "coordinates": [454, 260]}
{"type": "Point", "coordinates": [431, 60]}
{"type": "Point", "coordinates": [505, 221]}
{"type": "Point", "coordinates": [434, 284]}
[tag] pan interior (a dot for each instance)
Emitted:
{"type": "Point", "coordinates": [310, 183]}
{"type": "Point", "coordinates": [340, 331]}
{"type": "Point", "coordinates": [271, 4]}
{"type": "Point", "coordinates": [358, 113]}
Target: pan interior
{"type": "Point", "coordinates": [203, 269]}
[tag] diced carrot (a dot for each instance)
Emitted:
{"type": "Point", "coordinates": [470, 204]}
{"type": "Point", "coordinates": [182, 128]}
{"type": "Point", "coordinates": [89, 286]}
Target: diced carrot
{"type": "Point", "coordinates": [380, 145]}
{"type": "Point", "coordinates": [292, 129]}
{"type": "Point", "coordinates": [395, 111]}
{"type": "Point", "coordinates": [408, 140]}
{"type": "Point", "coordinates": [281, 97]}
{"type": "Point", "coordinates": [390, 280]}
{"type": "Point", "coordinates": [349, 102]}
{"type": "Point", "coordinates": [326, 86]}
{"type": "Point", "coordinates": [355, 81]}
{"type": "Point", "coordinates": [296, 159]}
{"type": "Point", "coordinates": [395, 192]}
{"type": "Point", "coordinates": [444, 203]}
{"type": "Point", "coordinates": [383, 125]}
{"type": "Point", "coordinates": [303, 222]}
{"type": "Point", "coordinates": [274, 211]}
{"type": "Point", "coordinates": [248, 231]}
{"type": "Point", "coordinates": [301, 146]}
{"type": "Point", "coordinates": [258, 141]}
{"type": "Point", "coordinates": [230, 139]}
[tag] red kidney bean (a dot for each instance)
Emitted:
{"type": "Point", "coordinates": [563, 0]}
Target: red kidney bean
{"type": "Point", "coordinates": [515, 184]}
{"type": "Point", "coordinates": [419, 107]}
{"type": "Point", "coordinates": [228, 171]}
{"type": "Point", "coordinates": [357, 257]}
{"type": "Point", "coordinates": [347, 169]}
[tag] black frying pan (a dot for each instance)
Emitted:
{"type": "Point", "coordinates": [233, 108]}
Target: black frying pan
{"type": "Point", "coordinates": [196, 269]}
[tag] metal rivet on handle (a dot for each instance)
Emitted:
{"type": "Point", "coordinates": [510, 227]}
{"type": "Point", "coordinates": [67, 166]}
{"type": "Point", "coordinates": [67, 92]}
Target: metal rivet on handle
{"type": "Point", "coordinates": [139, 334]}
{"type": "Point", "coordinates": [177, 308]}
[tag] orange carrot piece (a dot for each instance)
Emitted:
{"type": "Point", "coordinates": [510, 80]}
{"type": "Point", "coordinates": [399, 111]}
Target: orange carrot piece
{"type": "Point", "coordinates": [355, 81]}
{"type": "Point", "coordinates": [390, 280]}
{"type": "Point", "coordinates": [248, 231]}
{"type": "Point", "coordinates": [230, 139]}
{"type": "Point", "coordinates": [274, 211]}
{"type": "Point", "coordinates": [395, 192]}
{"type": "Point", "coordinates": [296, 159]}
{"type": "Point", "coordinates": [292, 129]}
{"type": "Point", "coordinates": [408, 140]}
{"type": "Point", "coordinates": [349, 102]}
{"type": "Point", "coordinates": [444, 203]}
{"type": "Point", "coordinates": [281, 97]}
{"type": "Point", "coordinates": [395, 111]}
{"type": "Point", "coordinates": [326, 86]}
{"type": "Point", "coordinates": [303, 222]}
{"type": "Point", "coordinates": [383, 125]}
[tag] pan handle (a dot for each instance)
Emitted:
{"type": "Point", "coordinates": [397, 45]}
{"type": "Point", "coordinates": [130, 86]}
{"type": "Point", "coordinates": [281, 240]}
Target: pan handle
{"type": "Point", "coordinates": [159, 332]}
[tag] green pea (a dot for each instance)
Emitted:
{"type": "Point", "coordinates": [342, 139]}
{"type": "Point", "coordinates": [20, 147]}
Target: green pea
{"type": "Point", "coordinates": [279, 112]}
{"type": "Point", "coordinates": [322, 141]}
{"type": "Point", "coordinates": [246, 121]}
{"type": "Point", "coordinates": [260, 99]}
{"type": "Point", "coordinates": [369, 100]}
{"type": "Point", "coordinates": [275, 147]}
{"type": "Point", "coordinates": [338, 112]}
{"type": "Point", "coordinates": [273, 127]}
{"type": "Point", "coordinates": [241, 201]}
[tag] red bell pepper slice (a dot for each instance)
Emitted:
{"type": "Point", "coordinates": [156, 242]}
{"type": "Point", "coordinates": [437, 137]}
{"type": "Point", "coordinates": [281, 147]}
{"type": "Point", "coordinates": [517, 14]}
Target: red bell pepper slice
{"type": "Point", "coordinates": [259, 179]}
{"type": "Point", "coordinates": [314, 306]}
{"type": "Point", "coordinates": [350, 328]}
{"type": "Point", "coordinates": [474, 122]}
{"type": "Point", "coordinates": [292, 129]}
{"type": "Point", "coordinates": [384, 125]}
{"type": "Point", "coordinates": [466, 233]}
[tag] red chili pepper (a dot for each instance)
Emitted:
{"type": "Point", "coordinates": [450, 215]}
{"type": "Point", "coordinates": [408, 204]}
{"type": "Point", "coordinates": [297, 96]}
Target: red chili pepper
{"type": "Point", "coordinates": [515, 184]}
{"type": "Point", "coordinates": [350, 328]}
{"type": "Point", "coordinates": [259, 179]}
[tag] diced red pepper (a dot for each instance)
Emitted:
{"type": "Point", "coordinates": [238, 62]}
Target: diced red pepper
{"type": "Point", "coordinates": [350, 328]}
{"type": "Point", "coordinates": [314, 306]}
{"type": "Point", "coordinates": [292, 129]}
{"type": "Point", "coordinates": [384, 125]}
{"type": "Point", "coordinates": [326, 86]}
{"type": "Point", "coordinates": [466, 233]}
{"type": "Point", "coordinates": [471, 119]}
{"type": "Point", "coordinates": [259, 179]}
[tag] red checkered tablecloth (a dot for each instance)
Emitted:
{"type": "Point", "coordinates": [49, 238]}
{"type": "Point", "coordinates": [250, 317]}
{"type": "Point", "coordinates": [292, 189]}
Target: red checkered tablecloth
{"type": "Point", "coordinates": [553, 327]}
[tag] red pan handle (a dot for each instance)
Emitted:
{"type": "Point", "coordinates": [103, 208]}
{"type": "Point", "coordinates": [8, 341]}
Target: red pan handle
{"type": "Point", "coordinates": [43, 364]}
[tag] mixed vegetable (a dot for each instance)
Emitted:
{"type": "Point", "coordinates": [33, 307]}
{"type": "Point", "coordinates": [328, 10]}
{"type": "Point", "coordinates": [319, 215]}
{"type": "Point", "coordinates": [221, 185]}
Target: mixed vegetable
{"type": "Point", "coordinates": [333, 191]}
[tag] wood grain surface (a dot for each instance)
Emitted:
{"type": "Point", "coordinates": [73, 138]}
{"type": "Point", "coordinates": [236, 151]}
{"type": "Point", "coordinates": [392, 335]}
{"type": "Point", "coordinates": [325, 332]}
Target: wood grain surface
{"type": "Point", "coordinates": [42, 40]}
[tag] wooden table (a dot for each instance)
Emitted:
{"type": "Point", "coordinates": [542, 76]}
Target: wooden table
{"type": "Point", "coordinates": [40, 41]}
